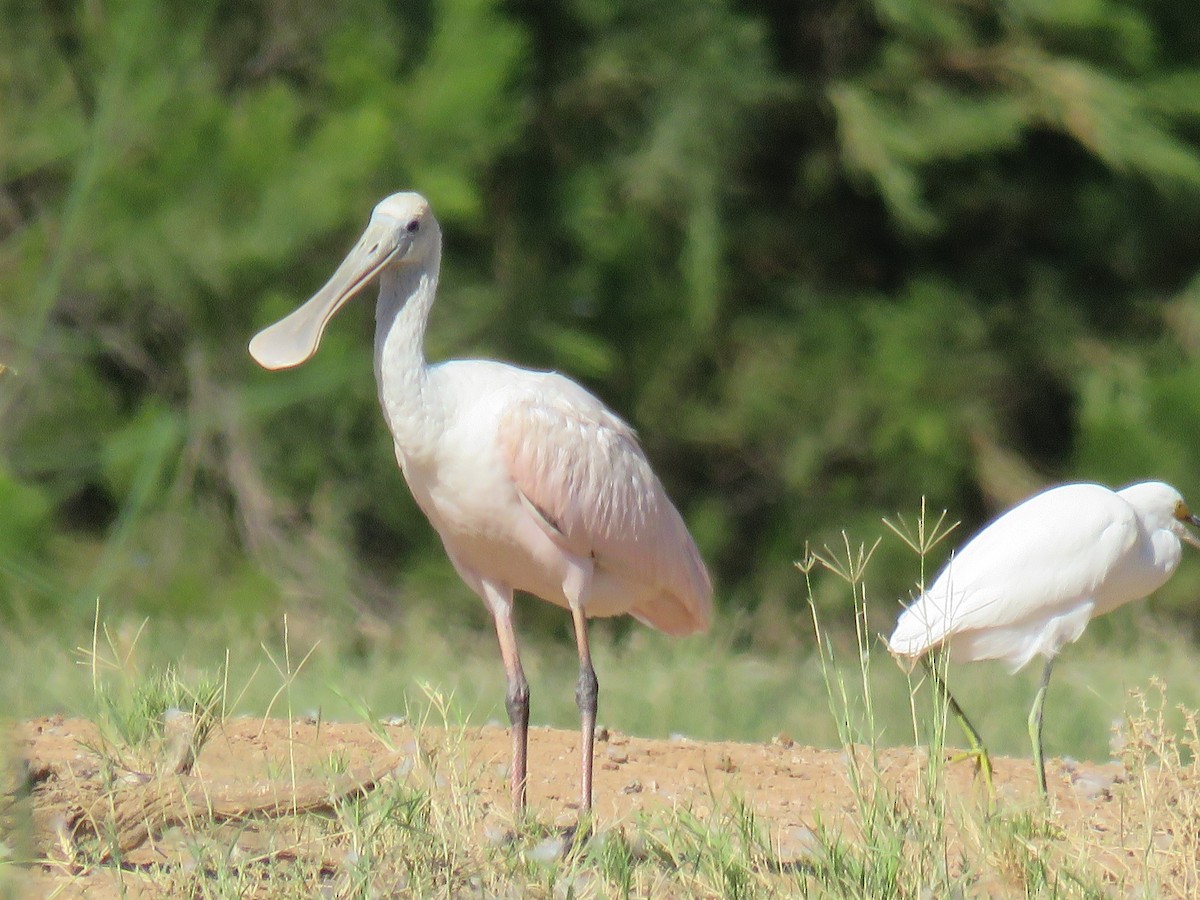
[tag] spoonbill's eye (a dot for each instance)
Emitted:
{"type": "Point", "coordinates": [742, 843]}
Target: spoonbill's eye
{"type": "Point", "coordinates": [413, 227]}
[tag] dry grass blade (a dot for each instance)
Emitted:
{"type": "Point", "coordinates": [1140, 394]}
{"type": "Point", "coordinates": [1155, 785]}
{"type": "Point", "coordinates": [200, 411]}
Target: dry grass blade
{"type": "Point", "coordinates": [126, 818]}
{"type": "Point", "coordinates": [79, 803]}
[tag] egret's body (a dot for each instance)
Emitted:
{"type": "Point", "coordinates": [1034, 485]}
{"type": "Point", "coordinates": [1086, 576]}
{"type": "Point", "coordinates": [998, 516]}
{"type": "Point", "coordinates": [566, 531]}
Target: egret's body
{"type": "Point", "coordinates": [532, 484]}
{"type": "Point", "coordinates": [1030, 582]}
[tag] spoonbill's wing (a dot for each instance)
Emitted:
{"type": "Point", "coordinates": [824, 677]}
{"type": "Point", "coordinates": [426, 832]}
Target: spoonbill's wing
{"type": "Point", "coordinates": [1042, 559]}
{"type": "Point", "coordinates": [581, 469]}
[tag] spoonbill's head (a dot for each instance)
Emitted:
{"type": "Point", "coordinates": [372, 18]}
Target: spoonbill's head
{"type": "Point", "coordinates": [402, 232]}
{"type": "Point", "coordinates": [1161, 506]}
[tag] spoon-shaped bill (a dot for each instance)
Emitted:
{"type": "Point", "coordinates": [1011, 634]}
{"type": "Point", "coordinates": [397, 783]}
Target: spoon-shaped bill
{"type": "Point", "coordinates": [294, 339]}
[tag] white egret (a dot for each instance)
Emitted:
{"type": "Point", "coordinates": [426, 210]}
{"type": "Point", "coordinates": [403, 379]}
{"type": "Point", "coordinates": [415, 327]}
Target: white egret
{"type": "Point", "coordinates": [1030, 582]}
{"type": "Point", "coordinates": [532, 484]}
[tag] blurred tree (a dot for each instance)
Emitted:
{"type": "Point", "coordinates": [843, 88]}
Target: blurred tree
{"type": "Point", "coordinates": [827, 258]}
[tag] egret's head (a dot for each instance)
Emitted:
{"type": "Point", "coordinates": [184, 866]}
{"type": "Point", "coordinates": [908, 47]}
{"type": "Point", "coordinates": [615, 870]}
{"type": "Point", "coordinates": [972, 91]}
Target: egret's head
{"type": "Point", "coordinates": [1183, 518]}
{"type": "Point", "coordinates": [1161, 506]}
{"type": "Point", "coordinates": [402, 232]}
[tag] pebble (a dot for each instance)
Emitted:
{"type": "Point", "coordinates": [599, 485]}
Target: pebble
{"type": "Point", "coordinates": [548, 851]}
{"type": "Point", "coordinates": [584, 884]}
{"type": "Point", "coordinates": [497, 836]}
{"type": "Point", "coordinates": [800, 844]}
{"type": "Point", "coordinates": [1092, 784]}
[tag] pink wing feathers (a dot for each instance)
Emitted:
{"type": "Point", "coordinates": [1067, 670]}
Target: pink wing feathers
{"type": "Point", "coordinates": [582, 470]}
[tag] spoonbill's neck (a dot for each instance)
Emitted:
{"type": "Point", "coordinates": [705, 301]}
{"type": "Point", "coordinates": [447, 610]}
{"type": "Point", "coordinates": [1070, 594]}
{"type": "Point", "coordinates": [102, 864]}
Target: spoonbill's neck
{"type": "Point", "coordinates": [405, 298]}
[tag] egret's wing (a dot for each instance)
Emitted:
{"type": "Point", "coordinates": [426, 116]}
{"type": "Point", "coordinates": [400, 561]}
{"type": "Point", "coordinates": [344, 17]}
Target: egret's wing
{"type": "Point", "coordinates": [580, 469]}
{"type": "Point", "coordinates": [1041, 559]}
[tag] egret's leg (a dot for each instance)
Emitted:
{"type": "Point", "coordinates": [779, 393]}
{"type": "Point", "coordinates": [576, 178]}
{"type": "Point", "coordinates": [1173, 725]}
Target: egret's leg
{"type": "Point", "coordinates": [587, 692]}
{"type": "Point", "coordinates": [978, 750]}
{"type": "Point", "coordinates": [517, 698]}
{"type": "Point", "coordinates": [1035, 727]}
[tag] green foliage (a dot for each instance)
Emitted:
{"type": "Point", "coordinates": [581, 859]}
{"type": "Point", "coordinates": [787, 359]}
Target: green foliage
{"type": "Point", "coordinates": [22, 540]}
{"type": "Point", "coordinates": [828, 261]}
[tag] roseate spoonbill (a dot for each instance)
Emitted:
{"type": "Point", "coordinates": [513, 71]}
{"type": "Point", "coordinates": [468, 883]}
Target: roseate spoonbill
{"type": "Point", "coordinates": [532, 484]}
{"type": "Point", "coordinates": [1031, 581]}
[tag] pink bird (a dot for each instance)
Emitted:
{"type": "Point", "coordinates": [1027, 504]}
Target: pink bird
{"type": "Point", "coordinates": [532, 484]}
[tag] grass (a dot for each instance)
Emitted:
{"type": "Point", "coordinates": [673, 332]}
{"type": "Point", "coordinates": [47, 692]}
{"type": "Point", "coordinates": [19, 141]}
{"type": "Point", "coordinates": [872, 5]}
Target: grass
{"type": "Point", "coordinates": [339, 673]}
{"type": "Point", "coordinates": [424, 831]}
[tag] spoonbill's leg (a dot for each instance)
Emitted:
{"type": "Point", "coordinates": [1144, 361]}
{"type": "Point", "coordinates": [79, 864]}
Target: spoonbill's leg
{"type": "Point", "coordinates": [1035, 727]}
{"type": "Point", "coordinates": [587, 692]}
{"type": "Point", "coordinates": [517, 698]}
{"type": "Point", "coordinates": [983, 761]}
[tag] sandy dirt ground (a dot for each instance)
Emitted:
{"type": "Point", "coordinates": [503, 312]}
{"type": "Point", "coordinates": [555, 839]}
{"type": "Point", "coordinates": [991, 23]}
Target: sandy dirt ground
{"type": "Point", "coordinates": [786, 784]}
